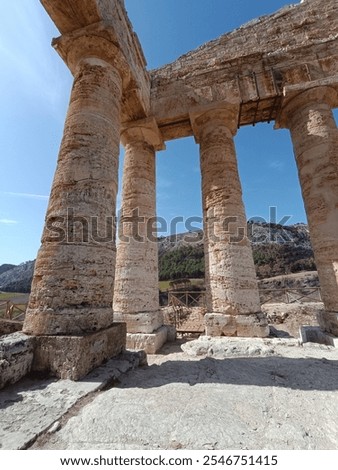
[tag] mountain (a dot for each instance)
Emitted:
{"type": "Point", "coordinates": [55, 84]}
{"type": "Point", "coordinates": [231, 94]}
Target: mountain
{"type": "Point", "coordinates": [277, 250]}
{"type": "Point", "coordinates": [18, 278]}
{"type": "Point", "coordinates": [6, 267]}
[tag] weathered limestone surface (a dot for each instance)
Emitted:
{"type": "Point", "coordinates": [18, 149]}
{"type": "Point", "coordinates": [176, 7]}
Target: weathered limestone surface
{"type": "Point", "coordinates": [136, 299]}
{"type": "Point", "coordinates": [230, 273]}
{"type": "Point", "coordinates": [9, 326]}
{"type": "Point", "coordinates": [253, 63]}
{"type": "Point", "coordinates": [231, 285]}
{"type": "Point", "coordinates": [190, 319]}
{"type": "Point", "coordinates": [44, 402]}
{"type": "Point", "coordinates": [74, 272]}
{"type": "Point", "coordinates": [314, 334]}
{"type": "Point", "coordinates": [105, 20]}
{"type": "Point", "coordinates": [72, 357]}
{"type": "Point", "coordinates": [16, 357]}
{"type": "Point", "coordinates": [71, 303]}
{"type": "Point", "coordinates": [314, 133]}
{"type": "Point", "coordinates": [150, 343]}
{"type": "Point", "coordinates": [329, 322]}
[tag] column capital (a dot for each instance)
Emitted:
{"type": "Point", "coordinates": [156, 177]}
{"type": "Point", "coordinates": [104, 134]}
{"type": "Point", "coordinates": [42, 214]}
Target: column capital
{"type": "Point", "coordinates": [92, 42]}
{"type": "Point", "coordinates": [205, 118]}
{"type": "Point", "coordinates": [296, 97]}
{"type": "Point", "coordinates": [143, 130]}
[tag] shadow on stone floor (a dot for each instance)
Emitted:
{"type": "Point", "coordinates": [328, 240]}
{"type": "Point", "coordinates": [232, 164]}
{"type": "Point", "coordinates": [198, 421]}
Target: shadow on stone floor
{"type": "Point", "coordinates": [275, 371]}
{"type": "Point", "coordinates": [13, 394]}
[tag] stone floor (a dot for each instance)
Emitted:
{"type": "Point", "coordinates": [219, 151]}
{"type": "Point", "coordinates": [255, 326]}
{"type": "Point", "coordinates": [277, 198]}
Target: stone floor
{"type": "Point", "coordinates": [207, 394]}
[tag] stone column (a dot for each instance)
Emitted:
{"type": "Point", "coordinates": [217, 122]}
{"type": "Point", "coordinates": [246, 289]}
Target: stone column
{"type": "Point", "coordinates": [74, 272]}
{"type": "Point", "coordinates": [309, 117]}
{"type": "Point", "coordinates": [136, 294]}
{"type": "Point", "coordinates": [232, 291]}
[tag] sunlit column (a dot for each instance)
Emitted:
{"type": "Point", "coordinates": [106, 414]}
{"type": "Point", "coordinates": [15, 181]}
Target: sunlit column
{"type": "Point", "coordinates": [136, 295]}
{"type": "Point", "coordinates": [314, 134]}
{"type": "Point", "coordinates": [232, 292]}
{"type": "Point", "coordinates": [74, 272]}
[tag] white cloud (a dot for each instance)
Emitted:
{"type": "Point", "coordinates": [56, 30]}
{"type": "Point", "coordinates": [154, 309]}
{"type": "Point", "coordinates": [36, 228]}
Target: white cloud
{"type": "Point", "coordinates": [276, 165]}
{"type": "Point", "coordinates": [28, 195]}
{"type": "Point", "coordinates": [163, 183]}
{"type": "Point", "coordinates": [8, 221]}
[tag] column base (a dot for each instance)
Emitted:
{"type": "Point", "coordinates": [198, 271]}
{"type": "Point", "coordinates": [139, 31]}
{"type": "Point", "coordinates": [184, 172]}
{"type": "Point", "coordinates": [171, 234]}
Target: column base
{"type": "Point", "coordinates": [150, 343]}
{"type": "Point", "coordinates": [143, 322]}
{"type": "Point", "coordinates": [328, 321]}
{"type": "Point", "coordinates": [73, 357]}
{"type": "Point", "coordinates": [253, 325]}
{"type": "Point", "coordinates": [16, 357]}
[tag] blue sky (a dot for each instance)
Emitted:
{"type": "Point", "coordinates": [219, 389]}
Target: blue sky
{"type": "Point", "coordinates": [35, 87]}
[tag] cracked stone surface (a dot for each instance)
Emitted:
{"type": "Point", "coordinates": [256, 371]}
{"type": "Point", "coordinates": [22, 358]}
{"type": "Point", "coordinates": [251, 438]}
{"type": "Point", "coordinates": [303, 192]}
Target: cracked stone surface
{"type": "Point", "coordinates": [32, 406]}
{"type": "Point", "coordinates": [285, 397]}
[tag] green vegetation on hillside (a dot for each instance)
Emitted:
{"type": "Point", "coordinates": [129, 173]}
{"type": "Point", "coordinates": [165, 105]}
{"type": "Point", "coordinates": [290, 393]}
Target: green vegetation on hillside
{"type": "Point", "coordinates": [271, 259]}
{"type": "Point", "coordinates": [183, 262]}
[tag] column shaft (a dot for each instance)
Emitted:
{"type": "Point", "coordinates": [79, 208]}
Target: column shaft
{"type": "Point", "coordinates": [232, 291]}
{"type": "Point", "coordinates": [136, 296]}
{"type": "Point", "coordinates": [315, 139]}
{"type": "Point", "coordinates": [230, 272]}
{"type": "Point", "coordinates": [74, 273]}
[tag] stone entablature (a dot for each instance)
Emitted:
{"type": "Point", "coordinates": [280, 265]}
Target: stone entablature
{"type": "Point", "coordinates": [252, 65]}
{"type": "Point", "coordinates": [86, 23]}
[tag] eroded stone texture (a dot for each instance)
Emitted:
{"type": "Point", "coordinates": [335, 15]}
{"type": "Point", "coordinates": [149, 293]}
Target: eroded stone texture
{"type": "Point", "coordinates": [108, 22]}
{"type": "Point", "coordinates": [231, 285]}
{"type": "Point", "coordinates": [230, 274]}
{"type": "Point", "coordinates": [309, 117]}
{"type": "Point", "coordinates": [9, 326]}
{"type": "Point", "coordinates": [252, 64]}
{"type": "Point", "coordinates": [72, 357]}
{"type": "Point", "coordinates": [16, 357]}
{"type": "Point", "coordinates": [150, 343]}
{"type": "Point", "coordinates": [136, 299]}
{"type": "Point", "coordinates": [136, 284]}
{"type": "Point", "coordinates": [74, 272]}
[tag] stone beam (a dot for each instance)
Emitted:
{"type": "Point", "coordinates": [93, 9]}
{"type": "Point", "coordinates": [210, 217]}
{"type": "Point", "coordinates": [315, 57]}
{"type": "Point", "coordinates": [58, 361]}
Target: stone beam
{"type": "Point", "coordinates": [87, 20]}
{"type": "Point", "coordinates": [252, 64]}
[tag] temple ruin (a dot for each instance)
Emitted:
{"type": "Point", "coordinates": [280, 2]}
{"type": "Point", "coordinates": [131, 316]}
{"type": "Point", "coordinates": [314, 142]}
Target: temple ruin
{"type": "Point", "coordinates": [282, 68]}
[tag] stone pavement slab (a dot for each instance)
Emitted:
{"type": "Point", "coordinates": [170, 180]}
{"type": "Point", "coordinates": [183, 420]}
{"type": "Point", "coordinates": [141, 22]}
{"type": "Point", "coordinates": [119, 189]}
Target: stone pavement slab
{"type": "Point", "coordinates": [32, 406]}
{"type": "Point", "coordinates": [281, 396]}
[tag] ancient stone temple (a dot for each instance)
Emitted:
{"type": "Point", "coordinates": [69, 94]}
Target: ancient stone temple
{"type": "Point", "coordinates": [279, 68]}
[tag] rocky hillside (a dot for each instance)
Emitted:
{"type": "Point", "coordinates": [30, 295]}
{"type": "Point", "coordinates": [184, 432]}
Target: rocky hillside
{"type": "Point", "coordinates": [6, 267]}
{"type": "Point", "coordinates": [277, 250]}
{"type": "Point", "coordinates": [17, 278]}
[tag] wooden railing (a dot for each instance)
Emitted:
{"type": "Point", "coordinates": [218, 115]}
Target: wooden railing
{"type": "Point", "coordinates": [13, 311]}
{"type": "Point", "coordinates": [290, 296]}
{"type": "Point", "coordinates": [186, 298]}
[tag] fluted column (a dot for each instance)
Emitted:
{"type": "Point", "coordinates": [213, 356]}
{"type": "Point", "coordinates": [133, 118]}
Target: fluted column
{"type": "Point", "coordinates": [136, 299]}
{"type": "Point", "coordinates": [314, 134]}
{"type": "Point", "coordinates": [136, 294]}
{"type": "Point", "coordinates": [74, 273]}
{"type": "Point", "coordinates": [232, 292]}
